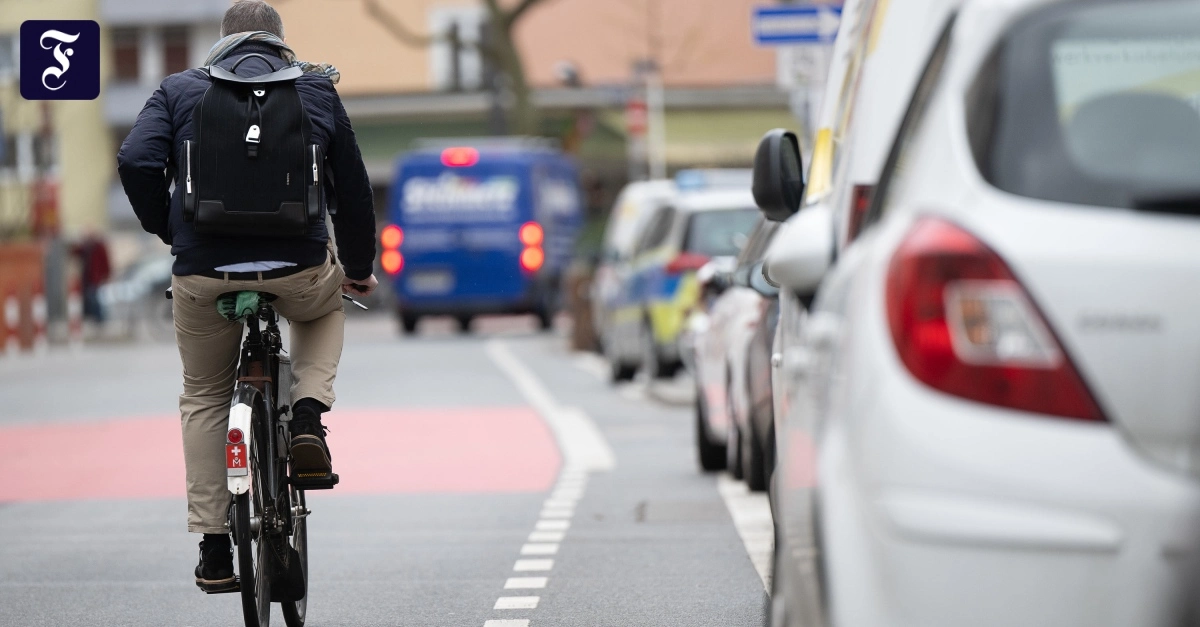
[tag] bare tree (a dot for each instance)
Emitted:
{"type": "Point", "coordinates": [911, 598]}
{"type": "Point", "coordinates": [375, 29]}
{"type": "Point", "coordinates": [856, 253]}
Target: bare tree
{"type": "Point", "coordinates": [498, 47]}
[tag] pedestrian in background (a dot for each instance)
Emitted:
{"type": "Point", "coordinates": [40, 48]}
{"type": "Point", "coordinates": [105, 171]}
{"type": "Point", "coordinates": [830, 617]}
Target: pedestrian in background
{"type": "Point", "coordinates": [93, 255]}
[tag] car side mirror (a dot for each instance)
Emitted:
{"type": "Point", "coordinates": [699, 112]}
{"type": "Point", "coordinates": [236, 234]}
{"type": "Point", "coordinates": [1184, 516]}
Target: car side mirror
{"type": "Point", "coordinates": [761, 283]}
{"type": "Point", "coordinates": [802, 251]}
{"type": "Point", "coordinates": [778, 175]}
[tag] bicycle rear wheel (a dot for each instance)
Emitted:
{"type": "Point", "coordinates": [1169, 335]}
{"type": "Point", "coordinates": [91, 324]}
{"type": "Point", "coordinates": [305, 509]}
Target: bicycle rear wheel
{"type": "Point", "coordinates": [294, 612]}
{"type": "Point", "coordinates": [253, 569]}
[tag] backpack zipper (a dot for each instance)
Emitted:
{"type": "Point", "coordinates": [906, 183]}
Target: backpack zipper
{"type": "Point", "coordinates": [188, 147]}
{"type": "Point", "coordinates": [314, 149]}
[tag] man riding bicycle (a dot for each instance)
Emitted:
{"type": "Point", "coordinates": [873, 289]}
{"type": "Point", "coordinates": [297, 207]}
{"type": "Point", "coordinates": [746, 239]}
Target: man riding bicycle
{"type": "Point", "coordinates": [296, 265]}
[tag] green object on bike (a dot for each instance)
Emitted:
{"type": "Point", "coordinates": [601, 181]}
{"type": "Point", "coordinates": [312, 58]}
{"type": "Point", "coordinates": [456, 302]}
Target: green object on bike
{"type": "Point", "coordinates": [239, 305]}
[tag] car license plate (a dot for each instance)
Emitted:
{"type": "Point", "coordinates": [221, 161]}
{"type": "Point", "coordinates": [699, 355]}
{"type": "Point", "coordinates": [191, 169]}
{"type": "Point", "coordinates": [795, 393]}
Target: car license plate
{"type": "Point", "coordinates": [430, 282]}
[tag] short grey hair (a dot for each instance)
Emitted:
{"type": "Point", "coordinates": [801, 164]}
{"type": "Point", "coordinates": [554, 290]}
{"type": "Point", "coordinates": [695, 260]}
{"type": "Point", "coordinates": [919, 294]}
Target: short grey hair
{"type": "Point", "coordinates": [251, 15]}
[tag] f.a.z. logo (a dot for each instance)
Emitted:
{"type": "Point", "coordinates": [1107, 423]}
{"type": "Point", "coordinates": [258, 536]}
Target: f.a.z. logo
{"type": "Point", "coordinates": [60, 60]}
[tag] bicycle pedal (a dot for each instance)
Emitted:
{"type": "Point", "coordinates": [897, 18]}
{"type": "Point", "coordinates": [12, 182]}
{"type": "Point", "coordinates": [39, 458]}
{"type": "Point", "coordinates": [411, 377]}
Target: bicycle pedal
{"type": "Point", "coordinates": [318, 482]}
{"type": "Point", "coordinates": [236, 586]}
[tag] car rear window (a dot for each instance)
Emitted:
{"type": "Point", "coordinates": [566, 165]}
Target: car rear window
{"type": "Point", "coordinates": [1095, 104]}
{"type": "Point", "coordinates": [719, 233]}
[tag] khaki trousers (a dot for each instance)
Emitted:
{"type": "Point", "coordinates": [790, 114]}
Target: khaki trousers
{"type": "Point", "coordinates": [209, 346]}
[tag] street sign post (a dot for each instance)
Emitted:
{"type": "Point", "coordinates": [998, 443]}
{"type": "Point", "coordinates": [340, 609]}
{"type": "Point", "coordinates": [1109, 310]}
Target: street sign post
{"type": "Point", "coordinates": [785, 25]}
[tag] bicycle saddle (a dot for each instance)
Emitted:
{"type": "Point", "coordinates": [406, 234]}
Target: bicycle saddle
{"type": "Point", "coordinates": [237, 306]}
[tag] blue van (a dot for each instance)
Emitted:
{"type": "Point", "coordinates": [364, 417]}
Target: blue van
{"type": "Point", "coordinates": [481, 228]}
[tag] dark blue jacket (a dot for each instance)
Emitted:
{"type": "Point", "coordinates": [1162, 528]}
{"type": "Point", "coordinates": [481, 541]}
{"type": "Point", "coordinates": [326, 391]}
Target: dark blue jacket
{"type": "Point", "coordinates": [146, 164]}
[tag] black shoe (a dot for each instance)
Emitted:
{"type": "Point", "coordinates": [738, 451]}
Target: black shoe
{"type": "Point", "coordinates": [310, 453]}
{"type": "Point", "coordinates": [214, 573]}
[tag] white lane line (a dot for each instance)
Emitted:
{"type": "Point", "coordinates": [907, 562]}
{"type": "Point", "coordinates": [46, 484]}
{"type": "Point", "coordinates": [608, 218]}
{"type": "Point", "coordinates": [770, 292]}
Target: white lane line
{"type": "Point", "coordinates": [533, 566]}
{"type": "Point", "coordinates": [539, 548]}
{"type": "Point", "coordinates": [559, 504]}
{"type": "Point", "coordinates": [506, 623]}
{"type": "Point", "coordinates": [525, 583]}
{"type": "Point", "coordinates": [751, 514]}
{"type": "Point", "coordinates": [546, 536]}
{"type": "Point", "coordinates": [557, 513]}
{"type": "Point", "coordinates": [582, 444]}
{"type": "Point", "coordinates": [515, 603]}
{"type": "Point", "coordinates": [553, 525]}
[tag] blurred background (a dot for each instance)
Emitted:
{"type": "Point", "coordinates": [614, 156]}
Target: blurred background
{"type": "Point", "coordinates": [630, 89]}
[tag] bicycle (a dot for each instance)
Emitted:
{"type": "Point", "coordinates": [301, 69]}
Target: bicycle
{"type": "Point", "coordinates": [268, 513]}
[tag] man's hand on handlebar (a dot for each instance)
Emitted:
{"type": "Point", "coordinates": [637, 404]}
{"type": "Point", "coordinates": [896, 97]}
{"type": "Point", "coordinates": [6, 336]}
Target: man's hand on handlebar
{"type": "Point", "coordinates": [359, 287]}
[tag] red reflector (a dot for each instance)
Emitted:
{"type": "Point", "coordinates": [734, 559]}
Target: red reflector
{"type": "Point", "coordinates": [963, 324]}
{"type": "Point", "coordinates": [460, 157]}
{"type": "Point", "coordinates": [531, 234]}
{"type": "Point", "coordinates": [235, 436]}
{"type": "Point", "coordinates": [532, 259]}
{"type": "Point", "coordinates": [392, 237]}
{"type": "Point", "coordinates": [860, 202]}
{"type": "Point", "coordinates": [392, 261]}
{"type": "Point", "coordinates": [686, 261]}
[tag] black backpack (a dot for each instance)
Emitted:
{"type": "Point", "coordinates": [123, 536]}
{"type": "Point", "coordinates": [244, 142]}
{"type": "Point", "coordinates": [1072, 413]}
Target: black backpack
{"type": "Point", "coordinates": [251, 169]}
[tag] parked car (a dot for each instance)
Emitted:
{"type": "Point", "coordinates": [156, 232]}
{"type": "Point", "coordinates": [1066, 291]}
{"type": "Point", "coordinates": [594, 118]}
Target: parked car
{"type": "Point", "coordinates": [734, 424]}
{"type": "Point", "coordinates": [633, 207]}
{"type": "Point", "coordinates": [135, 300]}
{"type": "Point", "coordinates": [481, 227]}
{"type": "Point", "coordinates": [982, 433]}
{"type": "Point", "coordinates": [660, 286]}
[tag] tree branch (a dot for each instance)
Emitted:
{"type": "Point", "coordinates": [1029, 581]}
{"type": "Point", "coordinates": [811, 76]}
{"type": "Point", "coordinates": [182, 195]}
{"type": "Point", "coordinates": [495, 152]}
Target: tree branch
{"type": "Point", "coordinates": [397, 28]}
{"type": "Point", "coordinates": [515, 13]}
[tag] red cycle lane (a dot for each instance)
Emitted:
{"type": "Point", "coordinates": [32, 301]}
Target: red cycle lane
{"type": "Point", "coordinates": [375, 451]}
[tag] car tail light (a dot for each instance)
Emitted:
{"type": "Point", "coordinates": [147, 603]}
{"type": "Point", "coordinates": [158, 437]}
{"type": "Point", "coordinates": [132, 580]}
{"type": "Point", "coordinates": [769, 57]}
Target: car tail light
{"type": "Point", "coordinates": [391, 237]}
{"type": "Point", "coordinates": [686, 261]}
{"type": "Point", "coordinates": [963, 324]}
{"type": "Point", "coordinates": [460, 157]}
{"type": "Point", "coordinates": [860, 203]}
{"type": "Point", "coordinates": [532, 259]}
{"type": "Point", "coordinates": [392, 261]}
{"type": "Point", "coordinates": [531, 234]}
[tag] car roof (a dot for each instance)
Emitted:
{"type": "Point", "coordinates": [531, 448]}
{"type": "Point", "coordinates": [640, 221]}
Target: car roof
{"type": "Point", "coordinates": [715, 200]}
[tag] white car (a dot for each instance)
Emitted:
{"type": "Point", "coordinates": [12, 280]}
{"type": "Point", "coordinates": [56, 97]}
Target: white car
{"type": "Point", "coordinates": [998, 421]}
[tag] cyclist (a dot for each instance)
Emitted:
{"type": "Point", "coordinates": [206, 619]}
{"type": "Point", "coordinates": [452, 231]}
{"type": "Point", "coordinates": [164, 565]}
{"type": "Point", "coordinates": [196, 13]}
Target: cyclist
{"type": "Point", "coordinates": [300, 271]}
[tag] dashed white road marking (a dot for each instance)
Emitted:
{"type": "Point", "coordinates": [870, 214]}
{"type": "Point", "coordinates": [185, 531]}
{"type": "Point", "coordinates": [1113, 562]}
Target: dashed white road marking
{"type": "Point", "coordinates": [559, 503]}
{"type": "Point", "coordinates": [583, 446]}
{"type": "Point", "coordinates": [553, 525]}
{"type": "Point", "coordinates": [751, 514]}
{"type": "Point", "coordinates": [540, 548]}
{"type": "Point", "coordinates": [516, 603]}
{"type": "Point", "coordinates": [506, 623]}
{"type": "Point", "coordinates": [525, 583]}
{"type": "Point", "coordinates": [546, 536]}
{"type": "Point", "coordinates": [558, 513]}
{"type": "Point", "coordinates": [532, 566]}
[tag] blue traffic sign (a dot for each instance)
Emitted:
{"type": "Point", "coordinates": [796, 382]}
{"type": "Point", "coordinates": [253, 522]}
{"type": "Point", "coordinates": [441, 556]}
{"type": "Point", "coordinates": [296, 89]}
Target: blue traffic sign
{"type": "Point", "coordinates": [796, 24]}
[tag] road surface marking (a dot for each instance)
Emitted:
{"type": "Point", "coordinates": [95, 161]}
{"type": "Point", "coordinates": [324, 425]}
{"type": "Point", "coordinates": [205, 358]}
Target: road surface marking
{"type": "Point", "coordinates": [559, 504]}
{"type": "Point", "coordinates": [592, 364]}
{"type": "Point", "coordinates": [529, 566]}
{"type": "Point", "coordinates": [546, 536]}
{"type": "Point", "coordinates": [506, 623]}
{"type": "Point", "coordinates": [583, 446]}
{"type": "Point", "coordinates": [515, 603]}
{"type": "Point", "coordinates": [751, 514]}
{"type": "Point", "coordinates": [553, 525]}
{"type": "Point", "coordinates": [525, 583]}
{"type": "Point", "coordinates": [557, 513]}
{"type": "Point", "coordinates": [540, 548]}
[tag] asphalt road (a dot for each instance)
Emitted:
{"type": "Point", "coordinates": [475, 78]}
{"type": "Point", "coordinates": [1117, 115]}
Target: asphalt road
{"type": "Point", "coordinates": [488, 480]}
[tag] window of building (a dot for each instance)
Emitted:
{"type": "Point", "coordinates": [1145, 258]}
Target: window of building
{"type": "Point", "coordinates": [8, 152]}
{"type": "Point", "coordinates": [9, 64]}
{"type": "Point", "coordinates": [175, 49]}
{"type": "Point", "coordinates": [126, 53]}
